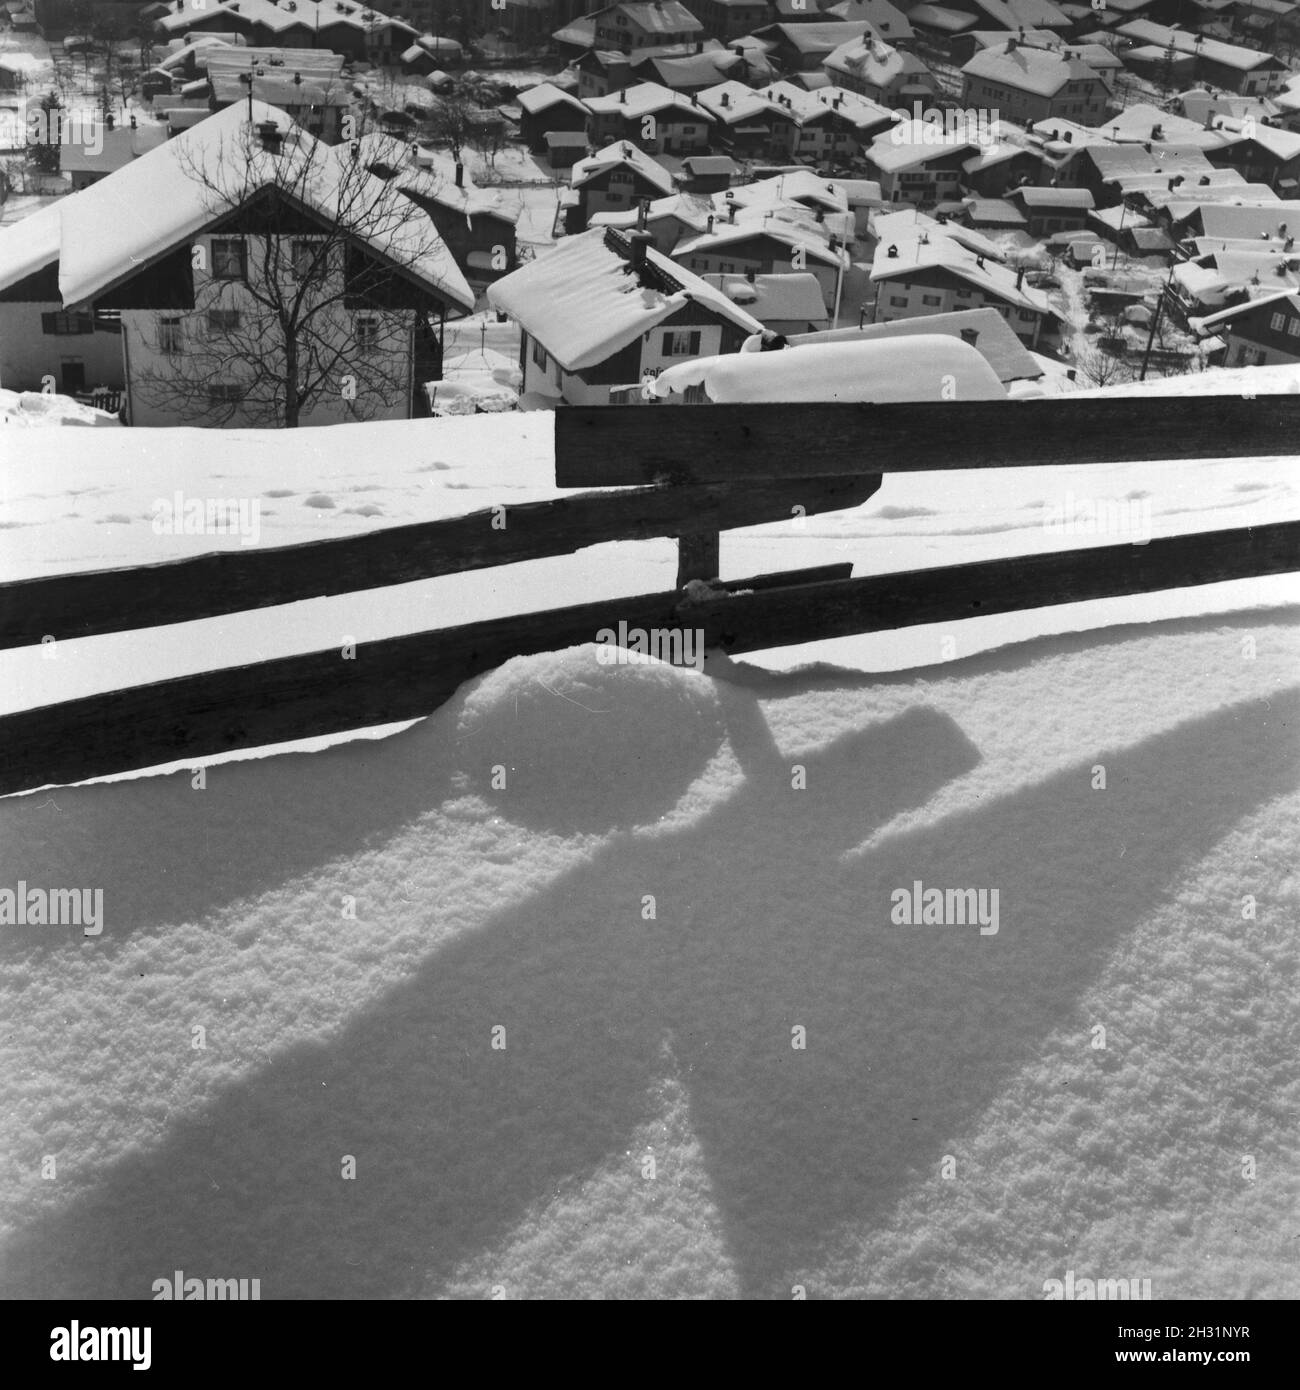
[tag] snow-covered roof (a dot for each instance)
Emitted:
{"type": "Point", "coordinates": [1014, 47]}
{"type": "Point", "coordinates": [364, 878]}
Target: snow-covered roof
{"type": "Point", "coordinates": [646, 98]}
{"type": "Point", "coordinates": [620, 153]}
{"type": "Point", "coordinates": [801, 185]}
{"type": "Point", "coordinates": [1041, 71]}
{"type": "Point", "coordinates": [994, 340]}
{"type": "Point", "coordinates": [545, 95]}
{"type": "Point", "coordinates": [418, 175]}
{"type": "Point", "coordinates": [913, 369]}
{"type": "Point", "coordinates": [1280, 219]}
{"type": "Point", "coordinates": [916, 142]}
{"type": "Point", "coordinates": [941, 17]}
{"type": "Point", "coordinates": [1288, 295]}
{"type": "Point", "coordinates": [813, 38]}
{"type": "Point", "coordinates": [937, 251]}
{"type": "Point", "coordinates": [661, 17]}
{"type": "Point", "coordinates": [910, 223]}
{"type": "Point", "coordinates": [1162, 37]}
{"type": "Point", "coordinates": [116, 148]}
{"type": "Point", "coordinates": [584, 301]}
{"type": "Point", "coordinates": [850, 106]}
{"type": "Point", "coordinates": [158, 202]}
{"type": "Point", "coordinates": [995, 212]}
{"type": "Point", "coordinates": [795, 297]}
{"type": "Point", "coordinates": [868, 59]}
{"type": "Point", "coordinates": [732, 103]}
{"type": "Point", "coordinates": [886, 19]}
{"type": "Point", "coordinates": [789, 233]}
{"type": "Point", "coordinates": [1033, 197]}
{"type": "Point", "coordinates": [30, 244]}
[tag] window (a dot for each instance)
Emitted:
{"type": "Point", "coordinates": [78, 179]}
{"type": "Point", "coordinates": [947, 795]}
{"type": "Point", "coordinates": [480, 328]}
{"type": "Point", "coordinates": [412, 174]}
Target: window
{"type": "Point", "coordinates": [963, 293]}
{"type": "Point", "coordinates": [169, 333]}
{"type": "Point", "coordinates": [222, 320]}
{"type": "Point", "coordinates": [65, 325]}
{"type": "Point", "coordinates": [1293, 327]}
{"type": "Point", "coordinates": [227, 258]}
{"type": "Point", "coordinates": [366, 331]}
{"type": "Point", "coordinates": [539, 355]}
{"type": "Point", "coordinates": [932, 300]}
{"type": "Point", "coordinates": [224, 391]}
{"type": "Point", "coordinates": [682, 343]}
{"type": "Point", "coordinates": [1278, 323]}
{"type": "Point", "coordinates": [1026, 315]}
{"type": "Point", "coordinates": [898, 301]}
{"type": "Point", "coordinates": [108, 320]}
{"type": "Point", "coordinates": [304, 255]}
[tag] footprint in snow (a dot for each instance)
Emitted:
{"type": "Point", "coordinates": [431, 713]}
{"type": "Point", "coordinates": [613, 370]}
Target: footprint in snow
{"type": "Point", "coordinates": [318, 499]}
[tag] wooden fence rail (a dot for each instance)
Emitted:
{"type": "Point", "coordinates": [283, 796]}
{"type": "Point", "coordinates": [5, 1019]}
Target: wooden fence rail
{"type": "Point", "coordinates": [407, 677]}
{"type": "Point", "coordinates": [688, 473]}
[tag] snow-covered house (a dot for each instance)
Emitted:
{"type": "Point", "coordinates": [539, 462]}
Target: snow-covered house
{"type": "Point", "coordinates": [477, 225]}
{"type": "Point", "coordinates": [748, 122]}
{"type": "Point", "coordinates": [1226, 65]}
{"type": "Point", "coordinates": [935, 273]}
{"type": "Point", "coordinates": [166, 255]}
{"type": "Point", "coordinates": [614, 179]}
{"type": "Point", "coordinates": [876, 70]}
{"type": "Point", "coordinates": [802, 47]}
{"type": "Point", "coordinates": [1049, 210]}
{"type": "Point", "coordinates": [652, 117]}
{"type": "Point", "coordinates": [546, 108]}
{"type": "Point", "coordinates": [655, 26]}
{"type": "Point", "coordinates": [916, 162]}
{"type": "Point", "coordinates": [1025, 83]}
{"type": "Point", "coordinates": [1263, 332]}
{"type": "Point", "coordinates": [769, 241]}
{"type": "Point", "coordinates": [605, 310]}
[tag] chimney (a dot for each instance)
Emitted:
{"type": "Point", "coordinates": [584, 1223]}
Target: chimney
{"type": "Point", "coordinates": [979, 261]}
{"type": "Point", "coordinates": [892, 253]}
{"type": "Point", "coordinates": [622, 95]}
{"type": "Point", "coordinates": [110, 120]}
{"type": "Point", "coordinates": [133, 122]}
{"type": "Point", "coordinates": [751, 275]}
{"type": "Point", "coordinates": [269, 134]}
{"type": "Point", "coordinates": [1204, 180]}
{"type": "Point", "coordinates": [695, 98]}
{"type": "Point", "coordinates": [1020, 277]}
{"type": "Point", "coordinates": [731, 212]}
{"type": "Point", "coordinates": [460, 174]}
{"type": "Point", "coordinates": [726, 99]}
{"type": "Point", "coordinates": [969, 335]}
{"type": "Point", "coordinates": [627, 150]}
{"type": "Point", "coordinates": [297, 79]}
{"type": "Point", "coordinates": [638, 242]}
{"type": "Point", "coordinates": [1012, 45]}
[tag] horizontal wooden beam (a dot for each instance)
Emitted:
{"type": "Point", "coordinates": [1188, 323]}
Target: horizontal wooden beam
{"type": "Point", "coordinates": [92, 602]}
{"type": "Point", "coordinates": [623, 445]}
{"type": "Point", "coordinates": [407, 677]}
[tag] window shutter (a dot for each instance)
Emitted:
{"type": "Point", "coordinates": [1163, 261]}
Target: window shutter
{"type": "Point", "coordinates": [694, 344]}
{"type": "Point", "coordinates": [668, 344]}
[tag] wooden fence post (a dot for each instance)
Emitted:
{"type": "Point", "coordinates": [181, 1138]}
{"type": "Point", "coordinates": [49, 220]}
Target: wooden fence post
{"type": "Point", "coordinates": [697, 557]}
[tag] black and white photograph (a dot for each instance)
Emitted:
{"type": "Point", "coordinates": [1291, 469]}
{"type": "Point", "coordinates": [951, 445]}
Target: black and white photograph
{"type": "Point", "coordinates": [649, 652]}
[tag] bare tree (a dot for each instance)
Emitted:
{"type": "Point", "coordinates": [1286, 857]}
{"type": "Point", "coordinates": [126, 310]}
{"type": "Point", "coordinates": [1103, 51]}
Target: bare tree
{"type": "Point", "coordinates": [452, 124]}
{"type": "Point", "coordinates": [312, 301]}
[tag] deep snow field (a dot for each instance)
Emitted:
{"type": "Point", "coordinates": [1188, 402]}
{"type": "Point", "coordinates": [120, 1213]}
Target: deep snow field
{"type": "Point", "coordinates": [351, 927]}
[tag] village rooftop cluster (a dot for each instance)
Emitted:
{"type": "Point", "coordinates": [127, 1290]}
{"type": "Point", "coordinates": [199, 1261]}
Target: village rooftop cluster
{"type": "Point", "coordinates": [1081, 194]}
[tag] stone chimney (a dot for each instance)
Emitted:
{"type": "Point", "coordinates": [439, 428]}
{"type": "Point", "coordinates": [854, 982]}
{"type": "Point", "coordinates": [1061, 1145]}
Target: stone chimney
{"type": "Point", "coordinates": [268, 133]}
{"type": "Point", "coordinates": [638, 242]}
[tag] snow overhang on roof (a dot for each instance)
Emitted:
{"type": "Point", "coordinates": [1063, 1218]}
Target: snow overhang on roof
{"type": "Point", "coordinates": [584, 302]}
{"type": "Point", "coordinates": [159, 201]}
